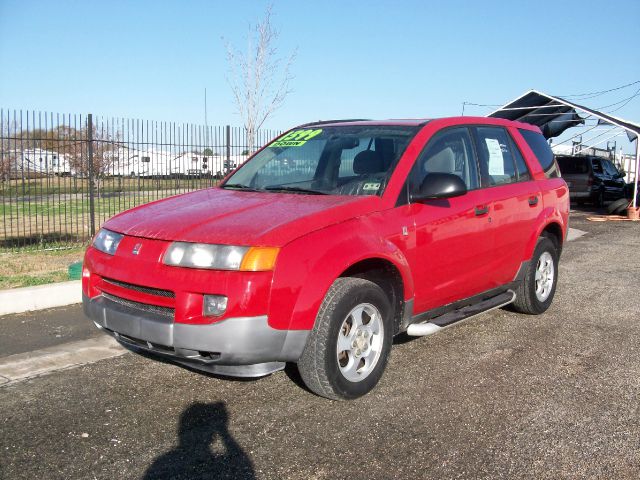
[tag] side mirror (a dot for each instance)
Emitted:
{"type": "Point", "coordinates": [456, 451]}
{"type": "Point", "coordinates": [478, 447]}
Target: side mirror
{"type": "Point", "coordinates": [439, 185]}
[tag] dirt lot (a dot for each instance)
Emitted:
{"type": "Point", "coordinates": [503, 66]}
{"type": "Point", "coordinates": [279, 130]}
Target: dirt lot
{"type": "Point", "coordinates": [501, 396]}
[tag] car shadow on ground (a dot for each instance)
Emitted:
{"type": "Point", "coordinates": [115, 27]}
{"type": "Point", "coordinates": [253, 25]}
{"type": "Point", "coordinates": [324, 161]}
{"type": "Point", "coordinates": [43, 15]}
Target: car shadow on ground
{"type": "Point", "coordinates": [291, 369]}
{"type": "Point", "coordinates": [205, 448]}
{"type": "Point", "coordinates": [161, 359]}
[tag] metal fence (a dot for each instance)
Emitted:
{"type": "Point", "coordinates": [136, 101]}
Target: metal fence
{"type": "Point", "coordinates": [62, 176]}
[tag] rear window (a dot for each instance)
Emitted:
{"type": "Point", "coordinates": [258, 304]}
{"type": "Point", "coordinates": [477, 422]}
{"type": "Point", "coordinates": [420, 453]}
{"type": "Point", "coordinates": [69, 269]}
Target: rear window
{"type": "Point", "coordinates": [573, 165]}
{"type": "Point", "coordinates": [542, 151]}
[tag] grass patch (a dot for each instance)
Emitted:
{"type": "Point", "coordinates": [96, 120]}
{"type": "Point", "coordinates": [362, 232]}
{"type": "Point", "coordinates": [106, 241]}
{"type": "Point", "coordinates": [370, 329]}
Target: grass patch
{"type": "Point", "coordinates": [26, 269]}
{"type": "Point", "coordinates": [44, 219]}
{"type": "Point", "coordinates": [75, 185]}
{"type": "Point", "coordinates": [19, 281]}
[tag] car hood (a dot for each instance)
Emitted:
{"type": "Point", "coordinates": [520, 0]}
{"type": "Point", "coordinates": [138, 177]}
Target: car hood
{"type": "Point", "coordinates": [238, 217]}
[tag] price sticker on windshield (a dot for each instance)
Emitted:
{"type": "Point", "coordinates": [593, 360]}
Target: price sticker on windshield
{"type": "Point", "coordinates": [296, 138]}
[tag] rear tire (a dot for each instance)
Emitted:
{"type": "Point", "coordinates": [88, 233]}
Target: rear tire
{"type": "Point", "coordinates": [600, 199]}
{"type": "Point", "coordinates": [348, 348]}
{"type": "Point", "coordinates": [535, 293]}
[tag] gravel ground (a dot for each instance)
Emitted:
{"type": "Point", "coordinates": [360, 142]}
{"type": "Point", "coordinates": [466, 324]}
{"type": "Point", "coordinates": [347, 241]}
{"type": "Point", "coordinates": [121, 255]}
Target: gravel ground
{"type": "Point", "coordinates": [501, 396]}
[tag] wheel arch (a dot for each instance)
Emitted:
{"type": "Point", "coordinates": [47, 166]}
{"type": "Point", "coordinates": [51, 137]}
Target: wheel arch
{"type": "Point", "coordinates": [550, 224]}
{"type": "Point", "coordinates": [388, 277]}
{"type": "Point", "coordinates": [554, 232]}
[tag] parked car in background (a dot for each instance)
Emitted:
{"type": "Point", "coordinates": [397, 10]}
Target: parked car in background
{"type": "Point", "coordinates": [591, 179]}
{"type": "Point", "coordinates": [331, 240]}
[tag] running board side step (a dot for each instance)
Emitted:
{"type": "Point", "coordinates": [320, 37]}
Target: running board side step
{"type": "Point", "coordinates": [443, 321]}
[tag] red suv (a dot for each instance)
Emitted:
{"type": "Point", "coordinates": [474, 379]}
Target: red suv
{"type": "Point", "coordinates": [331, 240]}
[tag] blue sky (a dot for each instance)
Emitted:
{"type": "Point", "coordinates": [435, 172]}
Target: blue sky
{"type": "Point", "coordinates": [374, 59]}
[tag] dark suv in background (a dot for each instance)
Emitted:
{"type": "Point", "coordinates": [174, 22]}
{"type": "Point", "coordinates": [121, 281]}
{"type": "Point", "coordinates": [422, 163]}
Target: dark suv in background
{"type": "Point", "coordinates": [591, 179]}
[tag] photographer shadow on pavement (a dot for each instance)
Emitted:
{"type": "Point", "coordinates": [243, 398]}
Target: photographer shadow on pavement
{"type": "Point", "coordinates": [206, 449]}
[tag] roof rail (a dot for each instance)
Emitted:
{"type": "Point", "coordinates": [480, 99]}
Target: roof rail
{"type": "Point", "coordinates": [320, 122]}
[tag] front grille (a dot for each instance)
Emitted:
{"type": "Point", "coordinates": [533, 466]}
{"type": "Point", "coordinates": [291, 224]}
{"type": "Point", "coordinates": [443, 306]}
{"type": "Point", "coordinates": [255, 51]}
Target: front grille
{"type": "Point", "coordinates": [145, 307]}
{"type": "Point", "coordinates": [158, 292]}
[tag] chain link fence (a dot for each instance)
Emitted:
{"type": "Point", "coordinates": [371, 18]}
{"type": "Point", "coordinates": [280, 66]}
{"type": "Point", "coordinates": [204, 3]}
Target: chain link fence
{"type": "Point", "coordinates": [63, 175]}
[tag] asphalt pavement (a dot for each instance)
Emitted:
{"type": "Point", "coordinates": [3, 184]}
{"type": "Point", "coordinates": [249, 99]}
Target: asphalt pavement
{"type": "Point", "coordinates": [503, 395]}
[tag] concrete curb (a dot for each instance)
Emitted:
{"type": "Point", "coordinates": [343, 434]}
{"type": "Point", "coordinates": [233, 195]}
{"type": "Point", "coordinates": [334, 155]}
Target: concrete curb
{"type": "Point", "coordinates": [60, 357]}
{"type": "Point", "coordinates": [18, 300]}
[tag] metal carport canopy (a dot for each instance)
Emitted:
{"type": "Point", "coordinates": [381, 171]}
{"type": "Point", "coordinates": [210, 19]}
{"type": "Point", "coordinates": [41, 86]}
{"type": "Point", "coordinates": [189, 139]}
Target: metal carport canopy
{"type": "Point", "coordinates": [554, 115]}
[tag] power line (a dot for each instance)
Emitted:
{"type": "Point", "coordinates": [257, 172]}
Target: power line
{"type": "Point", "coordinates": [601, 92]}
{"type": "Point", "coordinates": [627, 100]}
{"type": "Point", "coordinates": [585, 96]}
{"type": "Point", "coordinates": [480, 104]}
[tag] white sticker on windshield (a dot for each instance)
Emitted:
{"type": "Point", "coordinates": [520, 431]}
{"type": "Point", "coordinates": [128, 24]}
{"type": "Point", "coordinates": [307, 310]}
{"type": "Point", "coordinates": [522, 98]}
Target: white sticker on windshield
{"type": "Point", "coordinates": [496, 160]}
{"type": "Point", "coordinates": [371, 186]}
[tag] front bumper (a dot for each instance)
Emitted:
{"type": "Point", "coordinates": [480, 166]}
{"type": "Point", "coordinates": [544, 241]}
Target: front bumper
{"type": "Point", "coordinates": [241, 346]}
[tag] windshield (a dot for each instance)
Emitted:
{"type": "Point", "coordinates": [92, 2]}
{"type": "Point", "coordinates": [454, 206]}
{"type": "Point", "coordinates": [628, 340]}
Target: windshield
{"type": "Point", "coordinates": [337, 160]}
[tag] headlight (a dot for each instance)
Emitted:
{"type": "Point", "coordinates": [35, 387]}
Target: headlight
{"type": "Point", "coordinates": [107, 241]}
{"type": "Point", "coordinates": [220, 257]}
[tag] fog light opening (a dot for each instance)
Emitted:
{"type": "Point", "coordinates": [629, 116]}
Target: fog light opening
{"type": "Point", "coordinates": [214, 305]}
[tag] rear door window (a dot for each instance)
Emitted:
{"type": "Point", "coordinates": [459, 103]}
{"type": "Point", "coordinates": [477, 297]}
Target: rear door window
{"type": "Point", "coordinates": [495, 157]}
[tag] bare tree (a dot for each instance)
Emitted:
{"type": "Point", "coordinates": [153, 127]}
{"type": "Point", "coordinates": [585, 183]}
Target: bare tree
{"type": "Point", "coordinates": [259, 78]}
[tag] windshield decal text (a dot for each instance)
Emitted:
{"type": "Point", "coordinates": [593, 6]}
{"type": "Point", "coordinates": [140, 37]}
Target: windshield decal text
{"type": "Point", "coordinates": [296, 138]}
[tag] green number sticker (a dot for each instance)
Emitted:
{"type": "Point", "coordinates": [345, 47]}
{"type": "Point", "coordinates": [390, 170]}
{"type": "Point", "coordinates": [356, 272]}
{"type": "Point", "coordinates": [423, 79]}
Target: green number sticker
{"type": "Point", "coordinates": [296, 138]}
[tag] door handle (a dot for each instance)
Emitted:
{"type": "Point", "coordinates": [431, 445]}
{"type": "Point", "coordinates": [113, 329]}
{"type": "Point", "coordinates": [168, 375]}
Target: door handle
{"type": "Point", "coordinates": [482, 210]}
{"type": "Point", "coordinates": [533, 201]}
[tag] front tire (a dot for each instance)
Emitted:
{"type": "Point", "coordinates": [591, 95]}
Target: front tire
{"type": "Point", "coordinates": [535, 293]}
{"type": "Point", "coordinates": [348, 349]}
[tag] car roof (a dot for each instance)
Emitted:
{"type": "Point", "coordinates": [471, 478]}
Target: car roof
{"type": "Point", "coordinates": [411, 122]}
{"type": "Point", "coordinates": [420, 122]}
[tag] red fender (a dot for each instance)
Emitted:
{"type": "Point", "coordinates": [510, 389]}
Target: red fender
{"type": "Point", "coordinates": [301, 280]}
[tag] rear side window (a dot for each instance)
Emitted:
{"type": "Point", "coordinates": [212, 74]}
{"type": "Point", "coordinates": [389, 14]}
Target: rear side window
{"type": "Point", "coordinates": [538, 144]}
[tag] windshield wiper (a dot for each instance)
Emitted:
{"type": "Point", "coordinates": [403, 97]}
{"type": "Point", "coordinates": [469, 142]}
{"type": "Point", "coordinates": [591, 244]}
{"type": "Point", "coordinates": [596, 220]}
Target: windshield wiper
{"type": "Point", "coordinates": [282, 188]}
{"type": "Point", "coordinates": [239, 186]}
